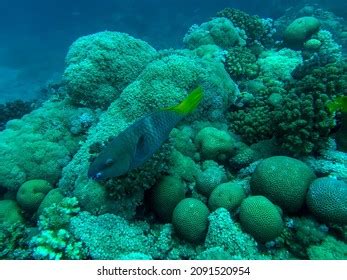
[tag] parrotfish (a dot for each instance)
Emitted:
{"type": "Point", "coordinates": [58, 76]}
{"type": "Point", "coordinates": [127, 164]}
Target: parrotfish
{"type": "Point", "coordinates": [138, 142]}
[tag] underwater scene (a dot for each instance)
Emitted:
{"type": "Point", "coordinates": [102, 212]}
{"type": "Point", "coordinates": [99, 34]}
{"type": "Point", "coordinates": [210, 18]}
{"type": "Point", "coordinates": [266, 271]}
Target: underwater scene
{"type": "Point", "coordinates": [173, 130]}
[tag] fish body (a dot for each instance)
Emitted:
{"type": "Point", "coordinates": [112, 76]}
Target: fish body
{"type": "Point", "coordinates": [137, 143]}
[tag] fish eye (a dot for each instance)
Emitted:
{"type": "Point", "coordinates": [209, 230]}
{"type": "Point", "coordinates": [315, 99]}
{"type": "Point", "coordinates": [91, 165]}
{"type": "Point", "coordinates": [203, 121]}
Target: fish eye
{"type": "Point", "coordinates": [109, 162]}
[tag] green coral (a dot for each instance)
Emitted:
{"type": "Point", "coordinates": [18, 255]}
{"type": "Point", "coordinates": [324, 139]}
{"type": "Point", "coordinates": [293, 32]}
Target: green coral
{"type": "Point", "coordinates": [190, 219]}
{"type": "Point", "coordinates": [10, 212]}
{"type": "Point", "coordinates": [256, 29]}
{"type": "Point", "coordinates": [300, 233]}
{"type": "Point", "coordinates": [54, 241]}
{"type": "Point", "coordinates": [261, 218]}
{"type": "Point", "coordinates": [300, 30]}
{"type": "Point", "coordinates": [214, 143]}
{"type": "Point", "coordinates": [101, 65]}
{"type": "Point", "coordinates": [327, 200]}
{"type": "Point", "coordinates": [54, 196]}
{"type": "Point", "coordinates": [108, 237]}
{"type": "Point", "coordinates": [228, 195]}
{"type": "Point", "coordinates": [297, 115]}
{"type": "Point", "coordinates": [37, 146]}
{"type": "Point", "coordinates": [31, 194]}
{"type": "Point", "coordinates": [279, 65]}
{"type": "Point", "coordinates": [241, 64]}
{"type": "Point", "coordinates": [226, 235]}
{"type": "Point", "coordinates": [14, 242]}
{"type": "Point", "coordinates": [218, 31]}
{"type": "Point", "coordinates": [304, 121]}
{"type": "Point", "coordinates": [210, 177]}
{"type": "Point", "coordinates": [166, 195]}
{"type": "Point", "coordinates": [330, 249]}
{"type": "Point", "coordinates": [283, 180]}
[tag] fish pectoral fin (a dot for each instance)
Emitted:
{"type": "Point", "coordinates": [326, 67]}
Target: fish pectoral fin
{"type": "Point", "coordinates": [141, 152]}
{"type": "Point", "coordinates": [142, 147]}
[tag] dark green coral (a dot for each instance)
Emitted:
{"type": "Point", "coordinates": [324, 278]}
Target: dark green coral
{"type": "Point", "coordinates": [258, 31]}
{"type": "Point", "coordinates": [241, 63]}
{"type": "Point", "coordinates": [297, 116]}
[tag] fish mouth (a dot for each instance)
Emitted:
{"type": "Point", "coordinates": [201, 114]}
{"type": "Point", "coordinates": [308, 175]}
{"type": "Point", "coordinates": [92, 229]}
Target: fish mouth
{"type": "Point", "coordinates": [96, 176]}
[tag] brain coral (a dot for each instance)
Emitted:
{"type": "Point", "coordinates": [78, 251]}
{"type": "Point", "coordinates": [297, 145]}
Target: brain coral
{"type": "Point", "coordinates": [300, 30]}
{"type": "Point", "coordinates": [166, 195]}
{"type": "Point", "coordinates": [190, 219]}
{"type": "Point", "coordinates": [31, 194]}
{"type": "Point", "coordinates": [327, 200]}
{"type": "Point", "coordinates": [101, 65]}
{"type": "Point", "coordinates": [261, 218]}
{"type": "Point", "coordinates": [283, 180]}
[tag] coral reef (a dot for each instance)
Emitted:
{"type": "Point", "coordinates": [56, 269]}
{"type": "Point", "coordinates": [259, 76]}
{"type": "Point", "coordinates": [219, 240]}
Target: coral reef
{"type": "Point", "coordinates": [257, 171]}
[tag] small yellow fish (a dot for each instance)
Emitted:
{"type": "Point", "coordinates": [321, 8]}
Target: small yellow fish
{"type": "Point", "coordinates": [137, 143]}
{"type": "Point", "coordinates": [338, 104]}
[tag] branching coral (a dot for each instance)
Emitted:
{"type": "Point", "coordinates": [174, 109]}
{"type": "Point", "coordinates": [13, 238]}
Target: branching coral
{"type": "Point", "coordinates": [257, 29]}
{"type": "Point", "coordinates": [241, 64]}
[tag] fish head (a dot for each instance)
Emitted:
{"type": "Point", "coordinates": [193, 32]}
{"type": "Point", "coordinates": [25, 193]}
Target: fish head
{"type": "Point", "coordinates": [113, 161]}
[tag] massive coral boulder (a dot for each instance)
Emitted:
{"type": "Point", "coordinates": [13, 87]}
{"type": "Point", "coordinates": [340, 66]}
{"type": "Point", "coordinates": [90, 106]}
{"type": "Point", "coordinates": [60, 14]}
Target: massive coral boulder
{"type": "Point", "coordinates": [101, 65]}
{"type": "Point", "coordinates": [40, 144]}
{"type": "Point", "coordinates": [283, 180]}
{"type": "Point", "coordinates": [218, 31]}
{"type": "Point", "coordinates": [327, 200]}
{"type": "Point", "coordinates": [300, 30]}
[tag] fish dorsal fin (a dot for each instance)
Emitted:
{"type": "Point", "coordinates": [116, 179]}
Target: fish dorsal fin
{"type": "Point", "coordinates": [189, 103]}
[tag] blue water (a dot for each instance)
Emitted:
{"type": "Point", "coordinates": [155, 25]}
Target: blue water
{"type": "Point", "coordinates": [35, 35]}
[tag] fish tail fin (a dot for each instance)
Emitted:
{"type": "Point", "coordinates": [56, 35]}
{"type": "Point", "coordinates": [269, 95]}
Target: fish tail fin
{"type": "Point", "coordinates": [190, 103]}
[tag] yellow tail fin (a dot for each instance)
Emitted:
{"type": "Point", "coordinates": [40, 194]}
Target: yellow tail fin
{"type": "Point", "coordinates": [189, 103]}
